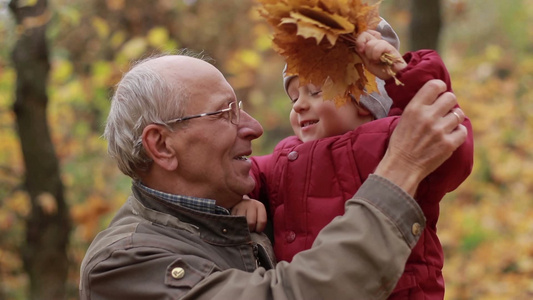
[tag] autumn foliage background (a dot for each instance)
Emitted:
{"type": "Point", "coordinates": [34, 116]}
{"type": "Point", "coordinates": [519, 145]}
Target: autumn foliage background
{"type": "Point", "coordinates": [486, 226]}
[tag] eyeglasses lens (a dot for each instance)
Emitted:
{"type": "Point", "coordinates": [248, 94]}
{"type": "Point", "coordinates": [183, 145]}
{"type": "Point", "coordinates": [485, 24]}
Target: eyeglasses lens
{"type": "Point", "coordinates": [236, 112]}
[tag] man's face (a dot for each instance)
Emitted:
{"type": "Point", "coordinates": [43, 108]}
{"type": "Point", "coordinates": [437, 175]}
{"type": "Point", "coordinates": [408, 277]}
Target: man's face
{"type": "Point", "coordinates": [314, 118]}
{"type": "Point", "coordinates": [211, 150]}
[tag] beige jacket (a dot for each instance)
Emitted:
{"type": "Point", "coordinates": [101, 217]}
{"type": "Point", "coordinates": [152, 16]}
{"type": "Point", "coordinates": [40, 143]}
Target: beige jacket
{"type": "Point", "coordinates": [155, 250]}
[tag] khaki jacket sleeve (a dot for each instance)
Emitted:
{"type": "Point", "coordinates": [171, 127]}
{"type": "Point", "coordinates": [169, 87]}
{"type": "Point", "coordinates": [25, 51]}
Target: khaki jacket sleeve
{"type": "Point", "coordinates": [359, 255]}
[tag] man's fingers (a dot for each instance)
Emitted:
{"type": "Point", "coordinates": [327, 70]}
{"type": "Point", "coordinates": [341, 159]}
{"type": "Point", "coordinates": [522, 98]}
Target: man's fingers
{"type": "Point", "coordinates": [459, 114]}
{"type": "Point", "coordinates": [453, 118]}
{"type": "Point", "coordinates": [429, 93]}
{"type": "Point", "coordinates": [458, 136]}
{"type": "Point", "coordinates": [445, 103]}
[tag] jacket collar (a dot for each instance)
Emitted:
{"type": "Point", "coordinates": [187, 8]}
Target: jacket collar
{"type": "Point", "coordinates": [212, 228]}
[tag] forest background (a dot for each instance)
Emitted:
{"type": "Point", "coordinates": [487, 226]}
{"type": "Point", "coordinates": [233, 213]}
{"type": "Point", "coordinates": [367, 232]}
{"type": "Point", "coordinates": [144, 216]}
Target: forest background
{"type": "Point", "coordinates": [58, 188]}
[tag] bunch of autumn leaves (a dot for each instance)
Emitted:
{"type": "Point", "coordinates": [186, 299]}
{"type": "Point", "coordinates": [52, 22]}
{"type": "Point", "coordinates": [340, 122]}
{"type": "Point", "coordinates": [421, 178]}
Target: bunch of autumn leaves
{"type": "Point", "coordinates": [317, 40]}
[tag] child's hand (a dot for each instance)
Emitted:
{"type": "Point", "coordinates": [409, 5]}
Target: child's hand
{"type": "Point", "coordinates": [254, 211]}
{"type": "Point", "coordinates": [371, 47]}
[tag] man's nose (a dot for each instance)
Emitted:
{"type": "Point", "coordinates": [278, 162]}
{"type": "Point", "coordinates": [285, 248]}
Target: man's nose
{"type": "Point", "coordinates": [249, 127]}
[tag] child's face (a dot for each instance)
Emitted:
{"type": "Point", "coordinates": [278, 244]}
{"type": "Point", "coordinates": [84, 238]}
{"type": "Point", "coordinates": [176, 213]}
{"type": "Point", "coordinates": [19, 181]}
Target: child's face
{"type": "Point", "coordinates": [314, 118]}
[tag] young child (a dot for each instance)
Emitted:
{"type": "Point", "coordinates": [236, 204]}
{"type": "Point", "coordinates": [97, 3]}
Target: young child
{"type": "Point", "coordinates": [306, 180]}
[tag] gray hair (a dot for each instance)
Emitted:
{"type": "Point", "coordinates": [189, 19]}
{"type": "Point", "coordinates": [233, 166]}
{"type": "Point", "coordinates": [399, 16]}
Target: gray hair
{"type": "Point", "coordinates": [142, 97]}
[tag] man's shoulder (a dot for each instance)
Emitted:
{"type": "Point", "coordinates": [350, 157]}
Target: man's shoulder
{"type": "Point", "coordinates": [134, 251]}
{"type": "Point", "coordinates": [130, 230]}
{"type": "Point", "coordinates": [115, 236]}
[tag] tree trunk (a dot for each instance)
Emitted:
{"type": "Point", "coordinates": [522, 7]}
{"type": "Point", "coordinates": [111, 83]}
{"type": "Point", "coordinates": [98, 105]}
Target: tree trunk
{"type": "Point", "coordinates": [426, 22]}
{"type": "Point", "coordinates": [48, 225]}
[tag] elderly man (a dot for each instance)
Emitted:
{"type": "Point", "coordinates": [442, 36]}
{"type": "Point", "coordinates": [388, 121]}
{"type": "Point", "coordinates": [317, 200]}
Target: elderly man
{"type": "Point", "coordinates": [177, 129]}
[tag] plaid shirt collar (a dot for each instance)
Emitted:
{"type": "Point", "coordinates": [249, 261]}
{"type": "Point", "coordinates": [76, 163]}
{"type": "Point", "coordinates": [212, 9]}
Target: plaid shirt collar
{"type": "Point", "coordinates": [199, 204]}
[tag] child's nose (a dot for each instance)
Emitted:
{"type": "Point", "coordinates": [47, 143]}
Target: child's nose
{"type": "Point", "coordinates": [301, 104]}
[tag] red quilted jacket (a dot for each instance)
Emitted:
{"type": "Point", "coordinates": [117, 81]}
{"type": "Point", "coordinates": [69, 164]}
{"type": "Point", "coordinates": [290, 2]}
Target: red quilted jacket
{"type": "Point", "coordinates": [305, 185]}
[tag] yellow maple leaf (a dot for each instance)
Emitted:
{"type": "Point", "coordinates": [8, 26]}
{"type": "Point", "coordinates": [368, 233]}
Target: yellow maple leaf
{"type": "Point", "coordinates": [314, 22]}
{"type": "Point", "coordinates": [316, 38]}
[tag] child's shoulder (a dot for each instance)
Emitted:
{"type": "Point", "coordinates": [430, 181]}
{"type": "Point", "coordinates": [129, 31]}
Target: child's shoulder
{"type": "Point", "coordinates": [288, 142]}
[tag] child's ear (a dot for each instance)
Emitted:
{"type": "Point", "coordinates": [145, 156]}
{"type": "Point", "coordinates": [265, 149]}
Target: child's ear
{"type": "Point", "coordinates": [362, 111]}
{"type": "Point", "coordinates": [155, 139]}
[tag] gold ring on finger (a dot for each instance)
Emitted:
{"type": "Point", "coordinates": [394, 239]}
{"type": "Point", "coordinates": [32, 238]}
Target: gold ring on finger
{"type": "Point", "coordinates": [457, 115]}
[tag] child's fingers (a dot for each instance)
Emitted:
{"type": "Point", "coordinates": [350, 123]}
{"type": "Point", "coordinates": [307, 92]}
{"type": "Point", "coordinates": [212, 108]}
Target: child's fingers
{"type": "Point", "coordinates": [374, 49]}
{"type": "Point", "coordinates": [261, 220]}
{"type": "Point", "coordinates": [362, 40]}
{"type": "Point", "coordinates": [238, 211]}
{"type": "Point", "coordinates": [251, 218]}
{"type": "Point", "coordinates": [375, 34]}
{"type": "Point", "coordinates": [254, 211]}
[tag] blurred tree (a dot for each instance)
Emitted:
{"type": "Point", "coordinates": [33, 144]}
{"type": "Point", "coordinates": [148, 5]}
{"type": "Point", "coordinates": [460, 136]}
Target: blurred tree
{"type": "Point", "coordinates": [426, 23]}
{"type": "Point", "coordinates": [47, 226]}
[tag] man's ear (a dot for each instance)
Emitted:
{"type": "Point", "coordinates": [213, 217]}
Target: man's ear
{"type": "Point", "coordinates": [155, 139]}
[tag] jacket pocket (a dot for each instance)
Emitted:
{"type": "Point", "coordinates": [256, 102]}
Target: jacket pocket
{"type": "Point", "coordinates": [181, 274]}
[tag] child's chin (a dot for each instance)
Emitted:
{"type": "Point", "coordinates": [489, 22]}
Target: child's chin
{"type": "Point", "coordinates": [308, 139]}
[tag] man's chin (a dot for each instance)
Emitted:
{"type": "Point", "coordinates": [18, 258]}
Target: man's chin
{"type": "Point", "coordinates": [248, 185]}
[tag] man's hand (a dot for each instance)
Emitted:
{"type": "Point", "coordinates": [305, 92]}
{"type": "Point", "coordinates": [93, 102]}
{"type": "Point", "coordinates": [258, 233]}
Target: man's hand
{"type": "Point", "coordinates": [254, 211]}
{"type": "Point", "coordinates": [427, 134]}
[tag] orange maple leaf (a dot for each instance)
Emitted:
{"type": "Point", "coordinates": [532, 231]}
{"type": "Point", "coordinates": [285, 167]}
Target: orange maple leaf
{"type": "Point", "coordinates": [316, 38]}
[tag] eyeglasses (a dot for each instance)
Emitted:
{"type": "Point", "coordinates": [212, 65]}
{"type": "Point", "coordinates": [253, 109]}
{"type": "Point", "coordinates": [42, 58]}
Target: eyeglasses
{"type": "Point", "coordinates": [234, 111]}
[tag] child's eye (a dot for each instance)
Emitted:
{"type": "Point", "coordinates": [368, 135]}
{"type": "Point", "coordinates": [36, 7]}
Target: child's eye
{"type": "Point", "coordinates": [293, 100]}
{"type": "Point", "coordinates": [317, 93]}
